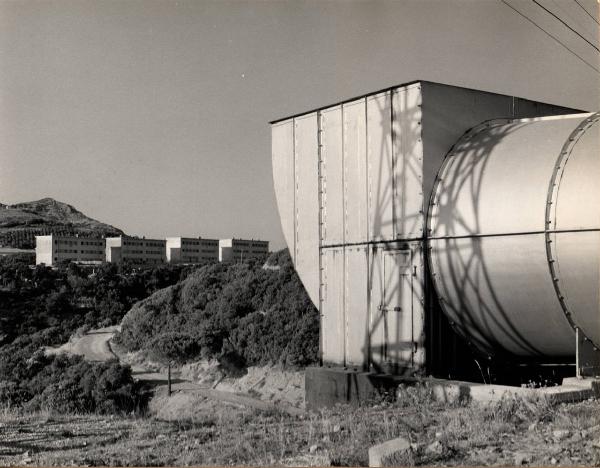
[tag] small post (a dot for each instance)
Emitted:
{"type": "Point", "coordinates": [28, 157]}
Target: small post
{"type": "Point", "coordinates": [169, 379]}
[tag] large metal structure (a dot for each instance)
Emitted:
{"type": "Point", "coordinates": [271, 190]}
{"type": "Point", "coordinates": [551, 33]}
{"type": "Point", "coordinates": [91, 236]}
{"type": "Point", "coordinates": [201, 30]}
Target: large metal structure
{"type": "Point", "coordinates": [514, 231]}
{"type": "Point", "coordinates": [374, 205]}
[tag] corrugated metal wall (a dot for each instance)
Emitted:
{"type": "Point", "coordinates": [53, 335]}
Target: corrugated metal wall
{"type": "Point", "coordinates": [408, 162]}
{"type": "Point", "coordinates": [284, 180]}
{"type": "Point", "coordinates": [306, 160]}
{"type": "Point", "coordinates": [332, 177]}
{"type": "Point", "coordinates": [356, 173]}
{"type": "Point", "coordinates": [380, 167]}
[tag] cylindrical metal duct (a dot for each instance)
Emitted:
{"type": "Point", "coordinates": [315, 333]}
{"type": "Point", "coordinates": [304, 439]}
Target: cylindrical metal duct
{"type": "Point", "coordinates": [514, 235]}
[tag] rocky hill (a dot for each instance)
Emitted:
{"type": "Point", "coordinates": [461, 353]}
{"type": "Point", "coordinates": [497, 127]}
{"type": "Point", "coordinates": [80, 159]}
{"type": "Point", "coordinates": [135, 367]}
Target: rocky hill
{"type": "Point", "coordinates": [21, 222]}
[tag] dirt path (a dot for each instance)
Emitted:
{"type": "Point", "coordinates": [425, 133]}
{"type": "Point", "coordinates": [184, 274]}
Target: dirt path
{"type": "Point", "coordinates": [246, 401]}
{"type": "Point", "coordinates": [94, 345]}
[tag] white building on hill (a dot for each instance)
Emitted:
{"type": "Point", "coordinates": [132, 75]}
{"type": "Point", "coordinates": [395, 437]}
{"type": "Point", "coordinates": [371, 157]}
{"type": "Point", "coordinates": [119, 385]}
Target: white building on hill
{"type": "Point", "coordinates": [192, 250]}
{"type": "Point", "coordinates": [236, 250]}
{"type": "Point", "coordinates": [135, 251]}
{"type": "Point", "coordinates": [51, 249]}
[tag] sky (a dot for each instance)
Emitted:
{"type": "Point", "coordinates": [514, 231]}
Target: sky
{"type": "Point", "coordinates": [153, 115]}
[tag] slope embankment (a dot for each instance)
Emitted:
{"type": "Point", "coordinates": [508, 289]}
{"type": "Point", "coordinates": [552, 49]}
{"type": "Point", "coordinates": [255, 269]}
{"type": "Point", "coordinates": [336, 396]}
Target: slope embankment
{"type": "Point", "coordinates": [262, 387]}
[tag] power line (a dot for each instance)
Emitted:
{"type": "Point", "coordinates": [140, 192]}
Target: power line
{"type": "Point", "coordinates": [588, 13]}
{"type": "Point", "coordinates": [563, 22]}
{"type": "Point", "coordinates": [574, 18]}
{"type": "Point", "coordinates": [548, 34]}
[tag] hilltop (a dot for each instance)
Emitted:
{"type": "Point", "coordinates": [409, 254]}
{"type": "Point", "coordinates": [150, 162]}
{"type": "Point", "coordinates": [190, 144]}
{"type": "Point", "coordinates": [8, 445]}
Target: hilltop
{"type": "Point", "coordinates": [21, 222]}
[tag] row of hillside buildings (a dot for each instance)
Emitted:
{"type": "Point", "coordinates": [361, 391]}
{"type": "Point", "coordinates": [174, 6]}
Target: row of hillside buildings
{"type": "Point", "coordinates": [52, 249]}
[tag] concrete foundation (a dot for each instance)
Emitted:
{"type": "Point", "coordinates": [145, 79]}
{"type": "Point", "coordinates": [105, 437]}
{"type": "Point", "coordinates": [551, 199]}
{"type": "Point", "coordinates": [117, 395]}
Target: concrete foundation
{"type": "Point", "coordinates": [328, 386]}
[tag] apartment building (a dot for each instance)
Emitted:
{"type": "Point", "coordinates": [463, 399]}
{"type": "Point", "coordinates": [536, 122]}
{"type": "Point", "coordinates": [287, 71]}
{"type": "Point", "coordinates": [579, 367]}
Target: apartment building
{"type": "Point", "coordinates": [235, 250]}
{"type": "Point", "coordinates": [52, 249]}
{"type": "Point", "coordinates": [192, 250]}
{"type": "Point", "coordinates": [136, 251]}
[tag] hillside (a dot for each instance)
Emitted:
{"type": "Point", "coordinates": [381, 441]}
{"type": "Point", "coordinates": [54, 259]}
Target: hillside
{"type": "Point", "coordinates": [21, 222]}
{"type": "Point", "coordinates": [245, 313]}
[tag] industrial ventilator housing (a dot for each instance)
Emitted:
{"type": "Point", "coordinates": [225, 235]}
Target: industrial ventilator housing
{"type": "Point", "coordinates": [427, 218]}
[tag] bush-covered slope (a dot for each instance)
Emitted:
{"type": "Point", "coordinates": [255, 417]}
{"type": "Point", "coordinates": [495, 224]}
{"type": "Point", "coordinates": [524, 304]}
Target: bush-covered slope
{"type": "Point", "coordinates": [43, 307]}
{"type": "Point", "coordinates": [259, 315]}
{"type": "Point", "coordinates": [35, 381]}
{"type": "Point", "coordinates": [21, 222]}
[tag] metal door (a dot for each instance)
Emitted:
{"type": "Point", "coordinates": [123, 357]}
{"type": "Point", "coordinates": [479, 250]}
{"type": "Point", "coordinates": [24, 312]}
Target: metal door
{"type": "Point", "coordinates": [396, 309]}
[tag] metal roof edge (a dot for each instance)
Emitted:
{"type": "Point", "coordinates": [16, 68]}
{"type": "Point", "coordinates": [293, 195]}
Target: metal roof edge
{"type": "Point", "coordinates": [400, 85]}
{"type": "Point", "coordinates": [361, 96]}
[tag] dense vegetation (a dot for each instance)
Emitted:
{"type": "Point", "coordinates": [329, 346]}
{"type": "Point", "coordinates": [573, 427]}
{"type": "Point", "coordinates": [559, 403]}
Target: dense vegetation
{"type": "Point", "coordinates": [40, 306]}
{"type": "Point", "coordinates": [35, 381]}
{"type": "Point", "coordinates": [58, 301]}
{"type": "Point", "coordinates": [240, 313]}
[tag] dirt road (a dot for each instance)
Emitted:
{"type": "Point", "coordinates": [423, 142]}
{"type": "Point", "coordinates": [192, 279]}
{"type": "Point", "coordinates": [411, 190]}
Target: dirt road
{"type": "Point", "coordinates": [94, 345]}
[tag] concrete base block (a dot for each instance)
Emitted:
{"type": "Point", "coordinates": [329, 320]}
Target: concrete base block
{"type": "Point", "coordinates": [328, 386]}
{"type": "Point", "coordinates": [378, 453]}
{"type": "Point", "coordinates": [571, 390]}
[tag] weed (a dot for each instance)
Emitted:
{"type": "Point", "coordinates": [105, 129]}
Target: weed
{"type": "Point", "coordinates": [220, 435]}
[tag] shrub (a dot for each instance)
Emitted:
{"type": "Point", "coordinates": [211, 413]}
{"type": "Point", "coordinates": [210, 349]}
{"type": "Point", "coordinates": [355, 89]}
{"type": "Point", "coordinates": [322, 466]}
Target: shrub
{"type": "Point", "coordinates": [70, 384]}
{"type": "Point", "coordinates": [173, 348]}
{"type": "Point", "coordinates": [261, 315]}
{"type": "Point", "coordinates": [43, 307]}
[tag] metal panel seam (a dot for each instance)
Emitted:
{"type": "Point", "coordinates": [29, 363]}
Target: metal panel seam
{"type": "Point", "coordinates": [366, 214]}
{"type": "Point", "coordinates": [344, 216]}
{"type": "Point", "coordinates": [319, 233]}
{"type": "Point", "coordinates": [394, 162]}
{"type": "Point", "coordinates": [295, 189]}
{"type": "Point", "coordinates": [367, 361]}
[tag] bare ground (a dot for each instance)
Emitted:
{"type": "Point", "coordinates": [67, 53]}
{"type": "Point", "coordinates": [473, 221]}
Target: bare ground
{"type": "Point", "coordinates": [190, 429]}
{"type": "Point", "coordinates": [187, 429]}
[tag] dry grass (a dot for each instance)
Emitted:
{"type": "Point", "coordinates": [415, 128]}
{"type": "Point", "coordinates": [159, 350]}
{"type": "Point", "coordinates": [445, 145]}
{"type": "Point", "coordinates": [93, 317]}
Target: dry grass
{"type": "Point", "coordinates": [194, 431]}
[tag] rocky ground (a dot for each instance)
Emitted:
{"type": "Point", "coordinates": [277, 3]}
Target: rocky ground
{"type": "Point", "coordinates": [187, 429]}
